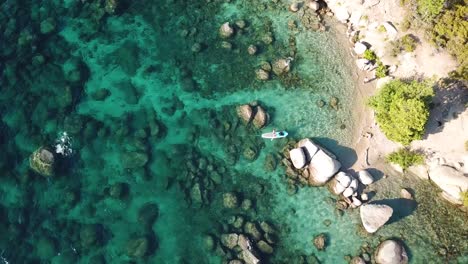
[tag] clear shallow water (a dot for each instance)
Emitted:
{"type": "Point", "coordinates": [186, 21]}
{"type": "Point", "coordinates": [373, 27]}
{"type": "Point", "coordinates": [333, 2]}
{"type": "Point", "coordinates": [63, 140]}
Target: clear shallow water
{"type": "Point", "coordinates": [143, 63]}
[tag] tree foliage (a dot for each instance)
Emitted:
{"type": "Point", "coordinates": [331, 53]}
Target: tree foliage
{"type": "Point", "coordinates": [429, 9]}
{"type": "Point", "coordinates": [402, 109]}
{"type": "Point", "coordinates": [405, 158]}
{"type": "Point", "coordinates": [451, 32]}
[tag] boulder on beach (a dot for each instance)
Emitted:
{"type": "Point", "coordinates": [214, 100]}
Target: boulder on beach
{"type": "Point", "coordinates": [391, 252]}
{"type": "Point", "coordinates": [450, 180]}
{"type": "Point", "coordinates": [298, 157]}
{"type": "Point", "coordinates": [342, 14]}
{"type": "Point", "coordinates": [365, 177]}
{"type": "Point", "coordinates": [374, 216]}
{"type": "Point", "coordinates": [312, 4]}
{"type": "Point", "coordinates": [336, 187]}
{"type": "Point", "coordinates": [322, 167]}
{"type": "Point", "coordinates": [390, 28]}
{"type": "Point", "coordinates": [359, 48]}
{"type": "Point", "coordinates": [42, 161]}
{"type": "Point", "coordinates": [343, 178]}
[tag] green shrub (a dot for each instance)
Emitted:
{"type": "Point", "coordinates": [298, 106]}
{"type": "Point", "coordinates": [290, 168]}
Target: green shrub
{"type": "Point", "coordinates": [464, 197]}
{"type": "Point", "coordinates": [369, 55]}
{"type": "Point", "coordinates": [429, 9]}
{"type": "Point", "coordinates": [381, 29]}
{"type": "Point", "coordinates": [408, 43]}
{"type": "Point", "coordinates": [405, 158]}
{"type": "Point", "coordinates": [451, 32]}
{"type": "Point", "coordinates": [381, 70]}
{"type": "Point", "coordinates": [466, 145]}
{"type": "Point", "coordinates": [402, 109]}
{"type": "Point", "coordinates": [406, 24]}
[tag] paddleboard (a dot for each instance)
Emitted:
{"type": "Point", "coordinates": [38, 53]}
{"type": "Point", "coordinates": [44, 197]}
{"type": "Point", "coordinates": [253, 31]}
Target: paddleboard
{"type": "Point", "coordinates": [271, 135]}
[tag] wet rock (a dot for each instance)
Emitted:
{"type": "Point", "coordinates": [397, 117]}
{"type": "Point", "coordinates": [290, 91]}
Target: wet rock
{"type": "Point", "coordinates": [262, 75]}
{"type": "Point", "coordinates": [261, 118]}
{"type": "Point", "coordinates": [252, 50]}
{"type": "Point", "coordinates": [137, 247]}
{"type": "Point", "coordinates": [334, 103]}
{"type": "Point", "coordinates": [294, 7]}
{"type": "Point", "coordinates": [230, 200]}
{"type": "Point", "coordinates": [320, 241]}
{"type": "Point", "coordinates": [374, 216]}
{"type": "Point", "coordinates": [297, 157]}
{"type": "Point", "coordinates": [148, 214]}
{"type": "Point", "coordinates": [391, 252]}
{"type": "Point", "coordinates": [252, 230]}
{"type": "Point", "coordinates": [281, 66]}
{"type": "Point", "coordinates": [133, 160]}
{"type": "Point", "coordinates": [226, 31]}
{"type": "Point", "coordinates": [406, 194]}
{"type": "Point", "coordinates": [245, 113]}
{"type": "Point", "coordinates": [42, 161]}
{"type": "Point", "coordinates": [264, 247]}
{"type": "Point", "coordinates": [229, 240]}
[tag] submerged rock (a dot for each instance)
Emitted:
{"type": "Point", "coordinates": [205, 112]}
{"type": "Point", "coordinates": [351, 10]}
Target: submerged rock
{"type": "Point", "coordinates": [374, 216]}
{"type": "Point", "coordinates": [281, 66]}
{"type": "Point", "coordinates": [262, 75]}
{"type": "Point", "coordinates": [137, 247]}
{"type": "Point", "coordinates": [391, 252]}
{"type": "Point", "coordinates": [264, 247]}
{"type": "Point", "coordinates": [135, 159]}
{"type": "Point", "coordinates": [42, 161]}
{"type": "Point", "coordinates": [226, 31]}
{"type": "Point", "coordinates": [252, 49]}
{"type": "Point", "coordinates": [230, 200]}
{"type": "Point", "coordinates": [148, 214]}
{"type": "Point", "coordinates": [261, 118]}
{"type": "Point", "coordinates": [229, 240]}
{"type": "Point", "coordinates": [320, 241]}
{"type": "Point", "coordinates": [357, 260]}
{"type": "Point", "coordinates": [245, 113]}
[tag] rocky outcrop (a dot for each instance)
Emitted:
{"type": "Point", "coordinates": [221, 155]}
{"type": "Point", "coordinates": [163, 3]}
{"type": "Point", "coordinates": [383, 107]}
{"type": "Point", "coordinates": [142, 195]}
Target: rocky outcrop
{"type": "Point", "coordinates": [42, 161]}
{"type": "Point", "coordinates": [391, 252]}
{"type": "Point", "coordinates": [253, 113]}
{"type": "Point", "coordinates": [298, 157]}
{"type": "Point", "coordinates": [374, 216]}
{"type": "Point", "coordinates": [451, 181]}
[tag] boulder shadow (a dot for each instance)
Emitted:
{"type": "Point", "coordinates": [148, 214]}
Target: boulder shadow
{"type": "Point", "coordinates": [345, 155]}
{"type": "Point", "coordinates": [401, 208]}
{"type": "Point", "coordinates": [376, 174]}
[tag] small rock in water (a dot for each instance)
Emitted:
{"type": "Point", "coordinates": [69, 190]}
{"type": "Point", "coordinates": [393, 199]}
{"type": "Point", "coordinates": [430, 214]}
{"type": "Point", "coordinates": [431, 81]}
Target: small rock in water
{"type": "Point", "coordinates": [226, 45]}
{"type": "Point", "coordinates": [137, 247]}
{"type": "Point", "coordinates": [226, 31]}
{"type": "Point", "coordinates": [264, 247]}
{"type": "Point", "coordinates": [327, 222]}
{"type": "Point", "coordinates": [294, 7]}
{"type": "Point", "coordinates": [262, 75]}
{"type": "Point", "coordinates": [281, 66]}
{"type": "Point", "coordinates": [47, 26]}
{"type": "Point", "coordinates": [320, 103]}
{"type": "Point", "coordinates": [246, 204]}
{"type": "Point", "coordinates": [266, 66]}
{"type": "Point", "coordinates": [391, 252]}
{"type": "Point", "coordinates": [252, 49]}
{"type": "Point", "coordinates": [357, 260]}
{"type": "Point", "coordinates": [334, 103]}
{"type": "Point", "coordinates": [320, 241]}
{"type": "Point", "coordinates": [196, 47]}
{"type": "Point", "coordinates": [229, 240]}
{"type": "Point", "coordinates": [241, 24]}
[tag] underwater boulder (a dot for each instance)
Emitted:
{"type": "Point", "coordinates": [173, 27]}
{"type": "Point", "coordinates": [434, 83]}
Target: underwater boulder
{"type": "Point", "coordinates": [264, 247]}
{"type": "Point", "coordinates": [261, 118]}
{"type": "Point", "coordinates": [88, 236]}
{"type": "Point", "coordinates": [281, 66]}
{"type": "Point", "coordinates": [374, 216]}
{"type": "Point", "coordinates": [251, 229]}
{"type": "Point", "coordinates": [229, 240]}
{"type": "Point", "coordinates": [133, 160]}
{"type": "Point", "coordinates": [137, 247]}
{"type": "Point", "coordinates": [226, 31]}
{"type": "Point", "coordinates": [262, 75]}
{"type": "Point", "coordinates": [245, 113]}
{"type": "Point", "coordinates": [391, 252]}
{"type": "Point", "coordinates": [270, 162]}
{"type": "Point", "coordinates": [42, 161]}
{"type": "Point", "coordinates": [252, 50]}
{"type": "Point", "coordinates": [148, 214]}
{"type": "Point", "coordinates": [230, 200]}
{"type": "Point", "coordinates": [320, 241]}
{"type": "Point", "coordinates": [247, 254]}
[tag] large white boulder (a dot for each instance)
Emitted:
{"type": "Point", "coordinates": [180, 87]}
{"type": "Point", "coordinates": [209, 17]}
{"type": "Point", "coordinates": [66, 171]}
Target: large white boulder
{"type": "Point", "coordinates": [374, 216]}
{"type": "Point", "coordinates": [342, 14]}
{"type": "Point", "coordinates": [298, 157]}
{"type": "Point", "coordinates": [359, 48]}
{"type": "Point", "coordinates": [391, 30]}
{"type": "Point", "coordinates": [391, 252]}
{"type": "Point", "coordinates": [322, 167]}
{"type": "Point", "coordinates": [354, 184]}
{"type": "Point", "coordinates": [450, 180]}
{"type": "Point", "coordinates": [365, 177]}
{"type": "Point", "coordinates": [343, 178]}
{"type": "Point", "coordinates": [337, 188]}
{"type": "Point", "coordinates": [348, 192]}
{"type": "Point", "coordinates": [309, 146]}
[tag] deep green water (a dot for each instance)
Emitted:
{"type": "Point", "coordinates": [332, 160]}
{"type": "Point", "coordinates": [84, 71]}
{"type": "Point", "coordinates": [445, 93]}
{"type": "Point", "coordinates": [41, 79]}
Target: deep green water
{"type": "Point", "coordinates": [151, 120]}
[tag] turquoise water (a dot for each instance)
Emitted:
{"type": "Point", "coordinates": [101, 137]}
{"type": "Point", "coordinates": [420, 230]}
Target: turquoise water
{"type": "Point", "coordinates": [151, 121]}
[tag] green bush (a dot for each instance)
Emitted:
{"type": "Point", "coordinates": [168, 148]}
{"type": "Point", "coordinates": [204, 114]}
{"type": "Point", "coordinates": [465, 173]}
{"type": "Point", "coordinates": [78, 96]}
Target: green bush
{"type": "Point", "coordinates": [381, 70]}
{"type": "Point", "coordinates": [408, 43]}
{"type": "Point", "coordinates": [381, 29]}
{"type": "Point", "coordinates": [405, 158]}
{"type": "Point", "coordinates": [451, 32]}
{"type": "Point", "coordinates": [429, 9]}
{"type": "Point", "coordinates": [369, 55]}
{"type": "Point", "coordinates": [402, 109]}
{"type": "Point", "coordinates": [464, 197]}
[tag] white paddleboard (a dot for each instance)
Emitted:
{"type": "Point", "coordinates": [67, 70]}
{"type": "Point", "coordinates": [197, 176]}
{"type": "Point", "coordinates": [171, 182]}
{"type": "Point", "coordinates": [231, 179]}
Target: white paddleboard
{"type": "Point", "coordinates": [271, 135]}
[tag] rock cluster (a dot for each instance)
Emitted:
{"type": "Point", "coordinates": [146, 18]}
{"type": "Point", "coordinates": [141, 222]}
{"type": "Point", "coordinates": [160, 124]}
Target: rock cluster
{"type": "Point", "coordinates": [253, 113]}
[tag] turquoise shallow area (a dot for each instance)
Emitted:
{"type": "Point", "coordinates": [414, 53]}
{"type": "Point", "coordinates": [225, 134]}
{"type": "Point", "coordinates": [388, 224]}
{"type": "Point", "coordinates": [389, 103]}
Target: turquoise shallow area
{"type": "Point", "coordinates": [156, 139]}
